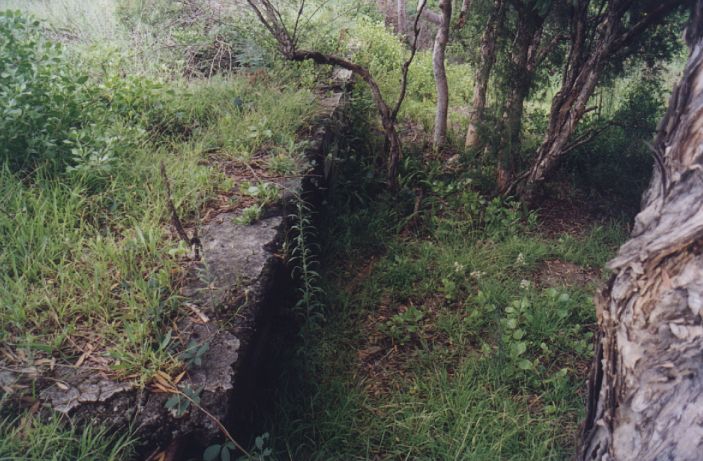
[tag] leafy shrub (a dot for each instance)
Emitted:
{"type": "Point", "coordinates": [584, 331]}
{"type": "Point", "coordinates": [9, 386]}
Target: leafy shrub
{"type": "Point", "coordinates": [458, 209]}
{"type": "Point", "coordinates": [619, 162]}
{"type": "Point", "coordinates": [42, 100]}
{"type": "Point", "coordinates": [55, 118]}
{"type": "Point", "coordinates": [539, 326]}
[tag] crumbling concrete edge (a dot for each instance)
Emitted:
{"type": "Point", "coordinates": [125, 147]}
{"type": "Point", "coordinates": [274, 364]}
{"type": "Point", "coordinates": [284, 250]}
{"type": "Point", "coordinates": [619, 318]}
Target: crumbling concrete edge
{"type": "Point", "coordinates": [242, 281]}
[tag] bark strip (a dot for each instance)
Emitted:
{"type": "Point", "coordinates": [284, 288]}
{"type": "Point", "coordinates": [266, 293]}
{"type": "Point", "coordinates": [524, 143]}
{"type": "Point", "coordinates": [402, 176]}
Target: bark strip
{"type": "Point", "coordinates": [646, 387]}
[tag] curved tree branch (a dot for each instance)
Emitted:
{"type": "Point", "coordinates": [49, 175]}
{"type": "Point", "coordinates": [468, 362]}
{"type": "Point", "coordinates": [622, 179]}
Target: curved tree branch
{"type": "Point", "coordinates": [272, 20]}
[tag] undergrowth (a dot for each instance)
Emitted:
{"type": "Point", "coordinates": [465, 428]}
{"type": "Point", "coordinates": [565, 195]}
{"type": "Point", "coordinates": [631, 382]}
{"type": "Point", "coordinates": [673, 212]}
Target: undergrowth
{"type": "Point", "coordinates": [88, 262]}
{"type": "Point", "coordinates": [430, 329]}
{"type": "Point", "coordinates": [442, 337]}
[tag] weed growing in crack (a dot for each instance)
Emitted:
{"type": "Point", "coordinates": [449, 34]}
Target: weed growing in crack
{"type": "Point", "coordinates": [193, 355]}
{"type": "Point", "coordinates": [249, 215]}
{"type": "Point", "coordinates": [180, 402]}
{"type": "Point", "coordinates": [304, 260]}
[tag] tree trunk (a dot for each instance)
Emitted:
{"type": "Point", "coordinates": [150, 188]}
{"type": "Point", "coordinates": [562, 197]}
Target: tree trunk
{"type": "Point", "coordinates": [401, 11]}
{"type": "Point", "coordinates": [483, 73]}
{"type": "Point", "coordinates": [568, 107]}
{"type": "Point", "coordinates": [440, 74]}
{"type": "Point", "coordinates": [463, 13]}
{"type": "Point", "coordinates": [587, 58]}
{"type": "Point", "coordinates": [646, 387]}
{"type": "Point", "coordinates": [523, 60]}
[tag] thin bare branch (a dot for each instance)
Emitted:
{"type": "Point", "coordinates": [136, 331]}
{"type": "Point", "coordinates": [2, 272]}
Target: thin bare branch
{"type": "Point", "coordinates": [175, 220]}
{"type": "Point", "coordinates": [406, 65]}
{"type": "Point", "coordinates": [262, 18]}
{"type": "Point", "coordinates": [586, 137]}
{"type": "Point", "coordinates": [297, 21]}
{"type": "Point", "coordinates": [217, 422]}
{"type": "Point", "coordinates": [272, 20]}
{"type": "Point", "coordinates": [314, 13]}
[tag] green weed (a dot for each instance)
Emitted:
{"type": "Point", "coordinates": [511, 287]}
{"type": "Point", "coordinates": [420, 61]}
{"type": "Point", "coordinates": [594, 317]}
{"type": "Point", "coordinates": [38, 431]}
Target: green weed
{"type": "Point", "coordinates": [403, 326]}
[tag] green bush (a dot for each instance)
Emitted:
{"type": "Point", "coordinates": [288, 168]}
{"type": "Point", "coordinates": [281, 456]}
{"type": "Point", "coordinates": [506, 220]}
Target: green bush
{"type": "Point", "coordinates": [54, 118]}
{"type": "Point", "coordinates": [618, 163]}
{"type": "Point", "coordinates": [42, 99]}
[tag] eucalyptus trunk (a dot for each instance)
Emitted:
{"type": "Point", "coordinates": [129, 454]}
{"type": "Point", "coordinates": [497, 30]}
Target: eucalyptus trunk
{"type": "Point", "coordinates": [440, 74]}
{"type": "Point", "coordinates": [646, 388]}
{"type": "Point", "coordinates": [483, 74]}
{"type": "Point", "coordinates": [523, 61]}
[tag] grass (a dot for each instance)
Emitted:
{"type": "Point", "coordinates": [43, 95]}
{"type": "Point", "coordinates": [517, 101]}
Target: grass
{"type": "Point", "coordinates": [26, 439]}
{"type": "Point", "coordinates": [88, 261]}
{"type": "Point", "coordinates": [87, 21]}
{"type": "Point", "coordinates": [101, 268]}
{"type": "Point", "coordinates": [440, 339]}
{"type": "Point", "coordinates": [443, 340]}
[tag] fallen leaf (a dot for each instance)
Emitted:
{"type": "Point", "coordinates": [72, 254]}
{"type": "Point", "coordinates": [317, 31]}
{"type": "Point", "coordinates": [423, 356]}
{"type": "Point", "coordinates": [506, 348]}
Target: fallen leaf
{"type": "Point", "coordinates": [89, 350]}
{"type": "Point", "coordinates": [203, 318]}
{"type": "Point", "coordinates": [368, 352]}
{"type": "Point", "coordinates": [178, 378]}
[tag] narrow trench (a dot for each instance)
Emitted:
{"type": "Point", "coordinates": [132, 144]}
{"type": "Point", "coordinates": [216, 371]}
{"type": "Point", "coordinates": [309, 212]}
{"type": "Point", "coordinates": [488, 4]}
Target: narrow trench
{"type": "Point", "coordinates": [252, 403]}
{"type": "Point", "coordinates": [273, 354]}
{"type": "Point", "coordinates": [260, 373]}
{"type": "Point", "coordinates": [268, 370]}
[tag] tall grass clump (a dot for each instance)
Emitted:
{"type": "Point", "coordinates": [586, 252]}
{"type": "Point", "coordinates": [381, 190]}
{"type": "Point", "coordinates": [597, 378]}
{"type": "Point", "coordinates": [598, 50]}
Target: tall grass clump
{"type": "Point", "coordinates": [85, 251]}
{"type": "Point", "coordinates": [26, 439]}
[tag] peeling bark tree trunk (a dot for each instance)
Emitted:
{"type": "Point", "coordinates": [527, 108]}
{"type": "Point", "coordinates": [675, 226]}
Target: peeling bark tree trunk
{"type": "Point", "coordinates": [523, 59]}
{"type": "Point", "coordinates": [463, 13]}
{"type": "Point", "coordinates": [646, 388]}
{"type": "Point", "coordinates": [440, 74]}
{"type": "Point", "coordinates": [590, 51]}
{"type": "Point", "coordinates": [483, 73]}
{"type": "Point", "coordinates": [401, 11]}
{"type": "Point", "coordinates": [569, 104]}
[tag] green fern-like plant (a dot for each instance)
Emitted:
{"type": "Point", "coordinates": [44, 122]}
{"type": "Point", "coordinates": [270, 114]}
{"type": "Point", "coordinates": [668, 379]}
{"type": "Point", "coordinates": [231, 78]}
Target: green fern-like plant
{"type": "Point", "coordinates": [304, 260]}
